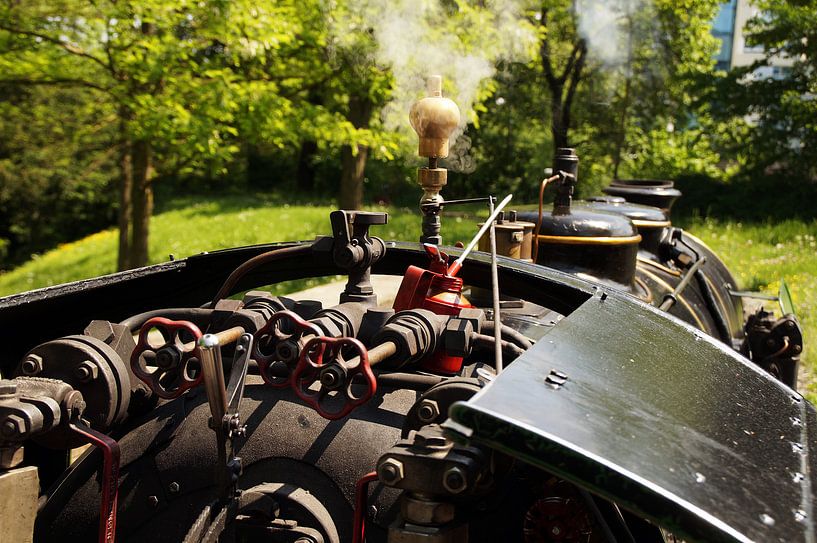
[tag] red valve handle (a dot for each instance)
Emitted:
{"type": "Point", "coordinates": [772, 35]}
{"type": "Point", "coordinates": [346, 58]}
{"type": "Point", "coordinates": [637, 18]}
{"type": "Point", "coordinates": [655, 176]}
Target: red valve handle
{"type": "Point", "coordinates": [282, 326]}
{"type": "Point", "coordinates": [176, 359]}
{"type": "Point", "coordinates": [311, 366]}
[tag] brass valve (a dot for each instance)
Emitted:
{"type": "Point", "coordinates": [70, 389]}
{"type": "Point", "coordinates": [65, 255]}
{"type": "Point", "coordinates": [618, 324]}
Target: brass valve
{"type": "Point", "coordinates": [434, 118]}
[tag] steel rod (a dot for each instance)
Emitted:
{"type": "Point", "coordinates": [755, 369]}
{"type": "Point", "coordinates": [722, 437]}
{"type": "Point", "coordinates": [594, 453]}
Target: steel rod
{"type": "Point", "coordinates": [212, 371]}
{"type": "Point", "coordinates": [495, 288]}
{"type": "Point", "coordinates": [455, 267]}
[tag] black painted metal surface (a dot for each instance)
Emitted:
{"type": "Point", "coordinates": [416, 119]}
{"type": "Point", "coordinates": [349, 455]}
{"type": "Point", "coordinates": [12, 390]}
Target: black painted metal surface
{"type": "Point", "coordinates": [661, 419]}
{"type": "Point", "coordinates": [30, 318]}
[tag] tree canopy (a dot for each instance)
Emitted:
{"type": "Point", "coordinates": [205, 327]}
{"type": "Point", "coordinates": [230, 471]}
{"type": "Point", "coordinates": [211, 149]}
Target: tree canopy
{"type": "Point", "coordinates": [104, 101]}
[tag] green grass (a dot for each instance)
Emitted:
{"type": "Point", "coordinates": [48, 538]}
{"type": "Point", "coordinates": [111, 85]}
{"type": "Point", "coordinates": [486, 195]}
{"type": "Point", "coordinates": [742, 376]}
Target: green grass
{"type": "Point", "coordinates": [758, 254]}
{"type": "Point", "coordinates": [190, 227]}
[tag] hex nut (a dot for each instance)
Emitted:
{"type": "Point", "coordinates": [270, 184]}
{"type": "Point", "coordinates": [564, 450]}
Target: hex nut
{"type": "Point", "coordinates": [173, 487]}
{"type": "Point", "coordinates": [428, 411]}
{"type": "Point", "coordinates": [454, 480]}
{"type": "Point", "coordinates": [13, 426]}
{"type": "Point", "coordinates": [32, 365]}
{"type": "Point", "coordinates": [420, 511]}
{"type": "Point", "coordinates": [86, 371]}
{"type": "Point", "coordinates": [391, 471]}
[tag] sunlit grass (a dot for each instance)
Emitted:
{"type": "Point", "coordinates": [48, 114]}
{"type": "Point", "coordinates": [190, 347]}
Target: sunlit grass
{"type": "Point", "coordinates": [191, 228]}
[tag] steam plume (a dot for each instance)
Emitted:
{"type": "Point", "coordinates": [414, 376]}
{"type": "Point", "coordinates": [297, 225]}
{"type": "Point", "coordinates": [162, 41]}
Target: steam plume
{"type": "Point", "coordinates": [415, 39]}
{"type": "Point", "coordinates": [600, 23]}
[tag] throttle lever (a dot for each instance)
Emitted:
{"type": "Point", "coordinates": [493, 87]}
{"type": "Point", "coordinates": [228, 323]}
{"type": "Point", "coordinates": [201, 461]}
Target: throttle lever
{"type": "Point", "coordinates": [322, 362]}
{"type": "Point", "coordinates": [110, 477]}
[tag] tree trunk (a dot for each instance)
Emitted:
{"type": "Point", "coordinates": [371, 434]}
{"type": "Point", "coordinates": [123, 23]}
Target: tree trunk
{"type": "Point", "coordinates": [562, 87]}
{"type": "Point", "coordinates": [125, 188]}
{"type": "Point", "coordinates": [621, 137]}
{"type": "Point", "coordinates": [142, 202]}
{"type": "Point", "coordinates": [305, 174]}
{"type": "Point", "coordinates": [354, 165]}
{"type": "Point", "coordinates": [557, 127]}
{"type": "Point", "coordinates": [351, 178]}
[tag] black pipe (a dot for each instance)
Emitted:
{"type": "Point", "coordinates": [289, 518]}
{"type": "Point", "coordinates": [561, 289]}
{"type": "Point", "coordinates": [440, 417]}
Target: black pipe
{"type": "Point", "coordinates": [509, 334]}
{"type": "Point", "coordinates": [196, 315]}
{"type": "Point", "coordinates": [411, 381]}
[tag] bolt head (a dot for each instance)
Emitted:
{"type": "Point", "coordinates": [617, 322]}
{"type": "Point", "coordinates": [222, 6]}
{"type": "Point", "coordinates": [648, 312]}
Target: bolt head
{"type": "Point", "coordinates": [173, 487]}
{"type": "Point", "coordinates": [391, 471]}
{"type": "Point", "coordinates": [153, 501]}
{"type": "Point", "coordinates": [86, 371]}
{"type": "Point", "coordinates": [428, 411]}
{"type": "Point", "coordinates": [454, 480]}
{"type": "Point", "coordinates": [32, 365]}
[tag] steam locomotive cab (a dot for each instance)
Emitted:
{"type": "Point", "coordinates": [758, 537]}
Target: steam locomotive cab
{"type": "Point", "coordinates": [541, 396]}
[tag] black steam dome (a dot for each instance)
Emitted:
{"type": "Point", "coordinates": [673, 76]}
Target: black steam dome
{"type": "Point", "coordinates": [581, 240]}
{"type": "Point", "coordinates": [650, 221]}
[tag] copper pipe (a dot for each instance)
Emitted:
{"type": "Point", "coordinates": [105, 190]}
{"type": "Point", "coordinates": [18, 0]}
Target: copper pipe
{"type": "Point", "coordinates": [545, 183]}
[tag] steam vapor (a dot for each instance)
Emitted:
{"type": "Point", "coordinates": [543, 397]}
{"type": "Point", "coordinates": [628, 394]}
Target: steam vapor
{"type": "Point", "coordinates": [600, 24]}
{"type": "Point", "coordinates": [411, 42]}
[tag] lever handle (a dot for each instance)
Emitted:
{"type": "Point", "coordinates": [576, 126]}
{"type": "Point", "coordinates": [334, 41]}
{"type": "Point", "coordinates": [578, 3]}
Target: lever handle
{"type": "Point", "coordinates": [110, 477]}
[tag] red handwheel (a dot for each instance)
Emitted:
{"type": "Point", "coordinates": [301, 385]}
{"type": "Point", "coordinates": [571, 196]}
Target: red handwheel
{"type": "Point", "coordinates": [170, 348]}
{"type": "Point", "coordinates": [340, 367]}
{"type": "Point", "coordinates": [277, 346]}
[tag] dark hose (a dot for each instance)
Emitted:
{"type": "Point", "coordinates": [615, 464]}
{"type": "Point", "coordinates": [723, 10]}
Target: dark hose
{"type": "Point", "coordinates": [196, 315]}
{"type": "Point", "coordinates": [481, 340]}
{"type": "Point", "coordinates": [508, 334]}
{"type": "Point", "coordinates": [712, 305]}
{"type": "Point", "coordinates": [411, 381]}
{"type": "Point", "coordinates": [258, 260]}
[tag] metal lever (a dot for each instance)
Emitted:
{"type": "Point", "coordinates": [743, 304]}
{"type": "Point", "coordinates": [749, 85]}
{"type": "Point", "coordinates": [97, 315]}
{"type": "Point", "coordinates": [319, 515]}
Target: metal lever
{"type": "Point", "coordinates": [110, 477]}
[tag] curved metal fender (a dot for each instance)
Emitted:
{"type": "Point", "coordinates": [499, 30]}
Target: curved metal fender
{"type": "Point", "coordinates": [660, 418]}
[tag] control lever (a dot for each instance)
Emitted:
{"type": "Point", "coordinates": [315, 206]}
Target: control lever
{"type": "Point", "coordinates": [276, 346]}
{"type": "Point", "coordinates": [224, 406]}
{"type": "Point", "coordinates": [110, 477]}
{"type": "Point", "coordinates": [355, 251]}
{"type": "Point", "coordinates": [322, 361]}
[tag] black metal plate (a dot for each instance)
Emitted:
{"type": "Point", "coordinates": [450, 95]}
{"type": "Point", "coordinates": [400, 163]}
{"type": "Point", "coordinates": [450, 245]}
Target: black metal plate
{"type": "Point", "coordinates": [661, 419]}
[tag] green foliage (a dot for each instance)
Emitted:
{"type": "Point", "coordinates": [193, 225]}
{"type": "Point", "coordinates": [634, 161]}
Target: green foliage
{"type": "Point", "coordinates": [780, 107]}
{"type": "Point", "coordinates": [622, 108]}
{"type": "Point", "coordinates": [55, 181]}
